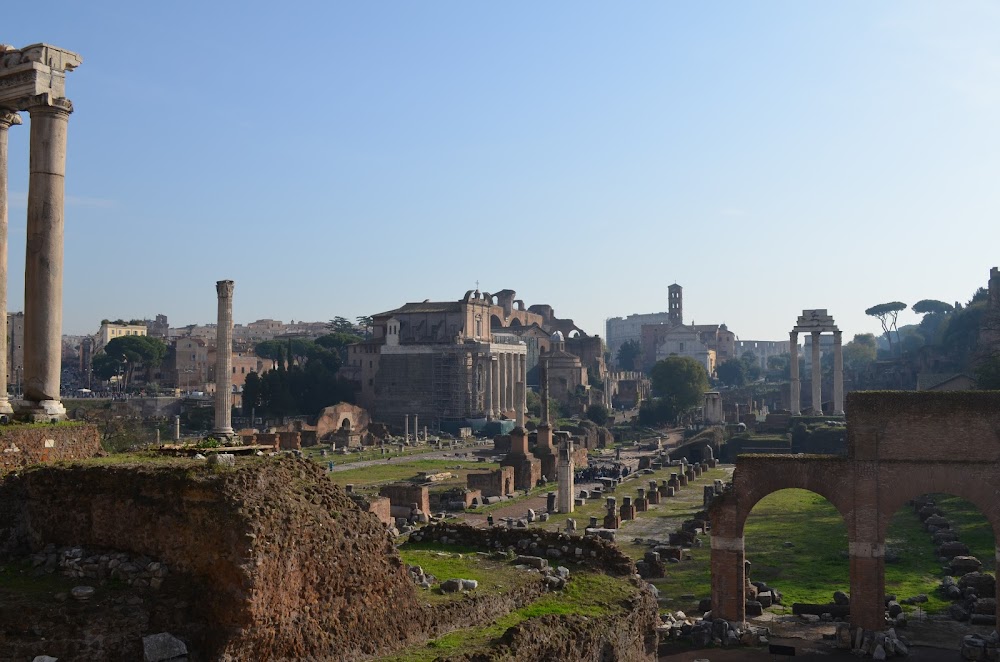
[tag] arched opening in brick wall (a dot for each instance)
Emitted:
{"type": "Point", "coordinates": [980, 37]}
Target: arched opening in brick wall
{"type": "Point", "coordinates": [934, 540]}
{"type": "Point", "coordinates": [796, 542]}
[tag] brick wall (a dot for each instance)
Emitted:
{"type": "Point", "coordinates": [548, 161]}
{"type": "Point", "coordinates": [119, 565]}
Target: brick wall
{"type": "Point", "coordinates": [24, 445]}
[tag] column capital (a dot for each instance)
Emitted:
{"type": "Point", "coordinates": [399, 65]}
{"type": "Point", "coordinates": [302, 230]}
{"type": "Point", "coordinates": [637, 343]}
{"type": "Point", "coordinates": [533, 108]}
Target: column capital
{"type": "Point", "coordinates": [838, 335]}
{"type": "Point", "coordinates": [224, 288]}
{"type": "Point", "coordinates": [46, 103]}
{"type": "Point", "coordinates": [8, 118]}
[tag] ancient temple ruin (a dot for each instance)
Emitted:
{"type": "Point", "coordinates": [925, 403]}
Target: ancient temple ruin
{"type": "Point", "coordinates": [33, 79]}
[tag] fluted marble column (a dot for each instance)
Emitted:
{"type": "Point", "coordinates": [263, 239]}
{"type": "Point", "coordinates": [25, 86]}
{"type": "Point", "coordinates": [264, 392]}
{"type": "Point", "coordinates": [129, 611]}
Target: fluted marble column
{"type": "Point", "coordinates": [817, 377]}
{"type": "Point", "coordinates": [224, 361]}
{"type": "Point", "coordinates": [522, 402]}
{"type": "Point", "coordinates": [838, 373]}
{"type": "Point", "coordinates": [43, 263]}
{"type": "Point", "coordinates": [496, 386]}
{"type": "Point", "coordinates": [488, 386]}
{"type": "Point", "coordinates": [795, 387]}
{"type": "Point", "coordinates": [7, 119]}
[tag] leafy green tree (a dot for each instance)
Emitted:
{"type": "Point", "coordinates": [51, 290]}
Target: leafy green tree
{"type": "Point", "coordinates": [778, 367]}
{"type": "Point", "coordinates": [732, 372]}
{"type": "Point", "coordinates": [341, 325]}
{"type": "Point", "coordinates": [680, 381]}
{"type": "Point", "coordinates": [628, 355]}
{"type": "Point", "coordinates": [338, 342]}
{"type": "Point", "coordinates": [932, 307]}
{"type": "Point", "coordinates": [886, 313]}
{"type": "Point", "coordinates": [751, 365]}
{"type": "Point", "coordinates": [988, 373]}
{"type": "Point", "coordinates": [128, 354]}
{"type": "Point", "coordinates": [367, 323]}
{"type": "Point", "coordinates": [598, 414]}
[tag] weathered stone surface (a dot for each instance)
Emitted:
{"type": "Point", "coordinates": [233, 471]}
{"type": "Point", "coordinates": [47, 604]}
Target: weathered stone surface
{"type": "Point", "coordinates": [163, 647]}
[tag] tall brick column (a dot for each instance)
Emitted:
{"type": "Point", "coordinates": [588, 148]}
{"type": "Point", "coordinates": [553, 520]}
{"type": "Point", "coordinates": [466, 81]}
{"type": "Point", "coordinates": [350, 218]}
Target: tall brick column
{"type": "Point", "coordinates": [728, 578]}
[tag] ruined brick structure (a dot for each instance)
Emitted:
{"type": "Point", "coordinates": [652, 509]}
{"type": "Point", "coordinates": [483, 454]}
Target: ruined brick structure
{"type": "Point", "coordinates": [495, 483]}
{"type": "Point", "coordinates": [404, 495]}
{"type": "Point", "coordinates": [900, 445]}
{"type": "Point", "coordinates": [22, 446]}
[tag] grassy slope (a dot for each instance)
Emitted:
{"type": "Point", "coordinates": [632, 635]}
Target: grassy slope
{"type": "Point", "coordinates": [407, 469]}
{"type": "Point", "coordinates": [587, 593]}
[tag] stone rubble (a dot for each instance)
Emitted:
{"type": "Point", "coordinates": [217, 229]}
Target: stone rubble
{"type": "Point", "coordinates": [79, 563]}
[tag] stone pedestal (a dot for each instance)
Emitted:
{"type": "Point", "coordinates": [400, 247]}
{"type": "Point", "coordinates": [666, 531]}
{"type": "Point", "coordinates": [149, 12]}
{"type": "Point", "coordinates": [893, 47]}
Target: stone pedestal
{"type": "Point", "coordinates": [690, 475]}
{"type": "Point", "coordinates": [653, 496]}
{"type": "Point", "coordinates": [550, 502]}
{"type": "Point", "coordinates": [627, 510]}
{"type": "Point", "coordinates": [867, 585]}
{"type": "Point", "coordinates": [612, 522]}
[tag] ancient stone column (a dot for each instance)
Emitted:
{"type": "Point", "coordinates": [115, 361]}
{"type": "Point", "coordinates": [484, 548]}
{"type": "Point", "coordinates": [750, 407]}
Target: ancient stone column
{"type": "Point", "coordinates": [7, 119]}
{"type": "Point", "coordinates": [496, 386]}
{"type": "Point", "coordinates": [488, 384]}
{"type": "Point", "coordinates": [817, 377]}
{"type": "Point", "coordinates": [43, 264]}
{"type": "Point", "coordinates": [545, 392]}
{"type": "Point", "coordinates": [565, 471]}
{"type": "Point", "coordinates": [406, 428]}
{"type": "Point", "coordinates": [522, 402]}
{"type": "Point", "coordinates": [511, 361]}
{"type": "Point", "coordinates": [795, 395]}
{"type": "Point", "coordinates": [838, 374]}
{"type": "Point", "coordinates": [416, 427]}
{"type": "Point", "coordinates": [224, 361]}
{"type": "Point", "coordinates": [519, 397]}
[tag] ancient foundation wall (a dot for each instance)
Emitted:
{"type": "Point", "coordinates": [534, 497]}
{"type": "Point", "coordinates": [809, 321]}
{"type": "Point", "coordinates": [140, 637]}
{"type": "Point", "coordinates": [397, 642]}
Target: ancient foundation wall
{"type": "Point", "coordinates": [495, 483]}
{"type": "Point", "coordinates": [626, 637]}
{"type": "Point", "coordinates": [291, 567]}
{"type": "Point", "coordinates": [402, 495]}
{"type": "Point", "coordinates": [24, 445]}
{"type": "Point", "coordinates": [594, 552]}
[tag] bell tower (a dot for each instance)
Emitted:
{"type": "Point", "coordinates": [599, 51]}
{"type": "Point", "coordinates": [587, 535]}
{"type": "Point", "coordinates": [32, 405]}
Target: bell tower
{"type": "Point", "coordinates": [675, 308]}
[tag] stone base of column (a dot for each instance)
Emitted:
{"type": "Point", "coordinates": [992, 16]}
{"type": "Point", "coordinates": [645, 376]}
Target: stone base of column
{"type": "Point", "coordinates": [228, 433]}
{"type": "Point", "coordinates": [44, 411]}
{"type": "Point", "coordinates": [5, 407]}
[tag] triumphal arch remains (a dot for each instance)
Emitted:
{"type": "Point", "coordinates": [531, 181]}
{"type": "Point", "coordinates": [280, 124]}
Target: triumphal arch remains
{"type": "Point", "coordinates": [901, 445]}
{"type": "Point", "coordinates": [33, 79]}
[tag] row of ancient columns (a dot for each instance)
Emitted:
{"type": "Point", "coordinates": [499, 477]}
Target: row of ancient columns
{"type": "Point", "coordinates": [505, 378]}
{"type": "Point", "coordinates": [43, 269]}
{"type": "Point", "coordinates": [817, 374]}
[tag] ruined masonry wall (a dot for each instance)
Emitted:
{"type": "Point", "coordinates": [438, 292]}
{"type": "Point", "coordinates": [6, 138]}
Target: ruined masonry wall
{"type": "Point", "coordinates": [23, 446]}
{"type": "Point", "coordinates": [292, 568]}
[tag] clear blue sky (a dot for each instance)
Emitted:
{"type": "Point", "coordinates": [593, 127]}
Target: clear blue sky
{"type": "Point", "coordinates": [345, 158]}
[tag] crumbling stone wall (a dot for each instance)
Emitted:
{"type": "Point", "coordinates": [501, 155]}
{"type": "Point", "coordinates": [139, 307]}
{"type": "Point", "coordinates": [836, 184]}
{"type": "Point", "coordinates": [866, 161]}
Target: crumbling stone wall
{"type": "Point", "coordinates": [629, 636]}
{"type": "Point", "coordinates": [495, 483]}
{"type": "Point", "coordinates": [402, 495]}
{"type": "Point", "coordinates": [595, 552]}
{"type": "Point", "coordinates": [291, 567]}
{"type": "Point", "coordinates": [24, 445]}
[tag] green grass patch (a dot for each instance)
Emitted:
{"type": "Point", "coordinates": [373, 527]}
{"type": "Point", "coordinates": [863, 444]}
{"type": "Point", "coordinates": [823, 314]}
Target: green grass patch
{"type": "Point", "coordinates": [401, 470]}
{"type": "Point", "coordinates": [586, 594]}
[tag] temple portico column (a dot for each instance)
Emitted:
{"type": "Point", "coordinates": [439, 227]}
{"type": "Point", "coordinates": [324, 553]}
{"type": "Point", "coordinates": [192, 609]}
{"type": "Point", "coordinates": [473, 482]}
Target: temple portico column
{"type": "Point", "coordinates": [43, 263]}
{"type": "Point", "coordinates": [7, 119]}
{"type": "Point", "coordinates": [511, 358]}
{"type": "Point", "coordinates": [523, 378]}
{"type": "Point", "coordinates": [817, 376]}
{"type": "Point", "coordinates": [496, 386]}
{"type": "Point", "coordinates": [501, 382]}
{"type": "Point", "coordinates": [224, 361]}
{"type": "Point", "coordinates": [488, 386]}
{"type": "Point", "coordinates": [795, 393]}
{"type": "Point", "coordinates": [838, 374]}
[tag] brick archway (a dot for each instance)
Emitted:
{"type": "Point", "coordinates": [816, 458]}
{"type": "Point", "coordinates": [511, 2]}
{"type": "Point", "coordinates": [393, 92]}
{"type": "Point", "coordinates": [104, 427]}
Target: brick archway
{"type": "Point", "coordinates": [900, 445]}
